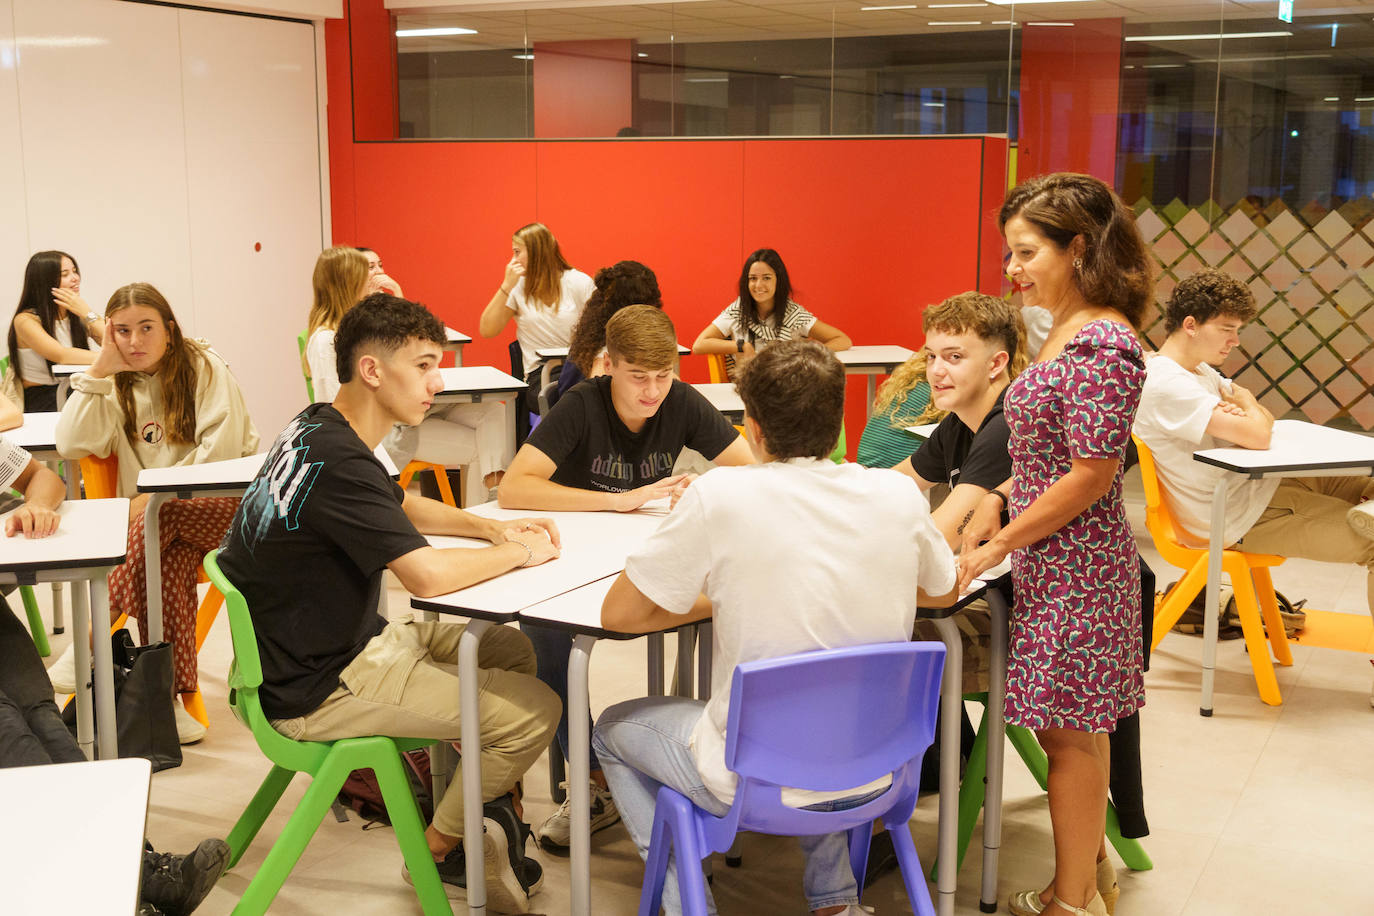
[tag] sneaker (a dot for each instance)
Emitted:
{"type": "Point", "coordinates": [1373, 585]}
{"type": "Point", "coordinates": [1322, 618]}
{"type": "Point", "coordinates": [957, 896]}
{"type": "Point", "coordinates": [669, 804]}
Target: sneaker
{"type": "Point", "coordinates": [189, 730]}
{"type": "Point", "coordinates": [62, 672]}
{"type": "Point", "coordinates": [147, 909]}
{"type": "Point", "coordinates": [502, 811]}
{"type": "Point", "coordinates": [506, 891]}
{"type": "Point", "coordinates": [882, 858]}
{"type": "Point", "coordinates": [555, 834]}
{"type": "Point", "coordinates": [1361, 518]}
{"type": "Point", "coordinates": [175, 885]}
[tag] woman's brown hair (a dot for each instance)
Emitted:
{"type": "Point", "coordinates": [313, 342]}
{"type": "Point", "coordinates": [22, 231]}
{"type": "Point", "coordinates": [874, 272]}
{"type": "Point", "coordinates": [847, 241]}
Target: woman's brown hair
{"type": "Point", "coordinates": [544, 265]}
{"type": "Point", "coordinates": [177, 369]}
{"type": "Point", "coordinates": [339, 281]}
{"type": "Point", "coordinates": [1115, 270]}
{"type": "Point", "coordinates": [623, 283]}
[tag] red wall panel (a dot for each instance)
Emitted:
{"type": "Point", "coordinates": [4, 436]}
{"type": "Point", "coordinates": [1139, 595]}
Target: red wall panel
{"type": "Point", "coordinates": [373, 49]}
{"type": "Point", "coordinates": [1070, 90]}
{"type": "Point", "coordinates": [991, 276]}
{"type": "Point", "coordinates": [583, 88]}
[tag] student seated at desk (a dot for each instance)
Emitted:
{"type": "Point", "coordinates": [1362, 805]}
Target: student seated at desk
{"type": "Point", "coordinates": [377, 275]}
{"type": "Point", "coordinates": [32, 732]}
{"type": "Point", "coordinates": [623, 283]}
{"type": "Point", "coordinates": [155, 399]}
{"type": "Point", "coordinates": [52, 324]}
{"type": "Point", "coordinates": [834, 521]}
{"type": "Point", "coordinates": [1188, 406]}
{"type": "Point", "coordinates": [903, 400]}
{"type": "Point", "coordinates": [610, 444]}
{"type": "Point", "coordinates": [308, 548]}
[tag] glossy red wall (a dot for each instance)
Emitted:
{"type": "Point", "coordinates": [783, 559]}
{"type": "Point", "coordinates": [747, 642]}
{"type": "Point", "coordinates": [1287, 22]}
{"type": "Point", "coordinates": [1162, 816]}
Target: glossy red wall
{"type": "Point", "coordinates": [872, 230]}
{"type": "Point", "coordinates": [1070, 98]}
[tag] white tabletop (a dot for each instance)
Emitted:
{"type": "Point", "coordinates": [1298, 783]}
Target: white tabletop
{"type": "Point", "coordinates": [562, 352]}
{"type": "Point", "coordinates": [1296, 445]}
{"type": "Point", "coordinates": [228, 475]}
{"type": "Point", "coordinates": [105, 802]}
{"type": "Point", "coordinates": [478, 380]}
{"type": "Point", "coordinates": [595, 545]}
{"type": "Point", "coordinates": [885, 355]}
{"type": "Point", "coordinates": [66, 370]}
{"type": "Point", "coordinates": [37, 433]}
{"type": "Point", "coordinates": [92, 533]}
{"type": "Point", "coordinates": [723, 397]}
{"type": "Point", "coordinates": [456, 337]}
{"type": "Point", "coordinates": [924, 430]}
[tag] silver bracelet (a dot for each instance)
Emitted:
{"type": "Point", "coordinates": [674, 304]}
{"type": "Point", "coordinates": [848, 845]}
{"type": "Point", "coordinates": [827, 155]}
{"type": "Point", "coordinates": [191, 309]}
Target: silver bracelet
{"type": "Point", "coordinates": [529, 554]}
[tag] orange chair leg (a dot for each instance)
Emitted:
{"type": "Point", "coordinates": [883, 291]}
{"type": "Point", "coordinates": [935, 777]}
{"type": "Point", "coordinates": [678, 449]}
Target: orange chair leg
{"type": "Point", "coordinates": [195, 705]}
{"type": "Point", "coordinates": [445, 488]}
{"type": "Point", "coordinates": [1248, 608]}
{"type": "Point", "coordinates": [1269, 607]}
{"type": "Point", "coordinates": [205, 617]}
{"type": "Point", "coordinates": [1178, 600]}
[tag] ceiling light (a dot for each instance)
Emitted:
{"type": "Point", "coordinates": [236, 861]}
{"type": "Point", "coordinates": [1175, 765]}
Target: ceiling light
{"type": "Point", "coordinates": [707, 79]}
{"type": "Point", "coordinates": [958, 22]}
{"type": "Point", "coordinates": [1332, 98]}
{"type": "Point", "coordinates": [523, 56]}
{"type": "Point", "coordinates": [1208, 36]}
{"type": "Point", "coordinates": [1364, 98]}
{"type": "Point", "coordinates": [1002, 22]}
{"type": "Point", "coordinates": [1070, 24]}
{"type": "Point", "coordinates": [1163, 67]}
{"type": "Point", "coordinates": [875, 9]}
{"type": "Point", "coordinates": [642, 54]}
{"type": "Point", "coordinates": [933, 104]}
{"type": "Point", "coordinates": [434, 33]}
{"type": "Point", "coordinates": [951, 6]}
{"type": "Point", "coordinates": [1029, 2]}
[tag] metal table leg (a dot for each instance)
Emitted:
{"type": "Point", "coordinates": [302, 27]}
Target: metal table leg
{"type": "Point", "coordinates": [107, 735]}
{"type": "Point", "coordinates": [471, 731]}
{"type": "Point", "coordinates": [81, 642]}
{"type": "Point", "coordinates": [996, 743]}
{"type": "Point", "coordinates": [152, 555]}
{"type": "Point", "coordinates": [655, 663]}
{"type": "Point", "coordinates": [951, 699]}
{"type": "Point", "coordinates": [579, 766]}
{"type": "Point", "coordinates": [1209, 621]}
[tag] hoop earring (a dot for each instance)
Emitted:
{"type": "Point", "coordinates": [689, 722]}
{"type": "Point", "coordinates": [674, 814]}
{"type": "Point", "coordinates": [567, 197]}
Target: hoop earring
{"type": "Point", "coordinates": [1077, 263]}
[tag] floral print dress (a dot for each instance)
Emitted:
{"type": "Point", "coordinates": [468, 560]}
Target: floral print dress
{"type": "Point", "coordinates": [1075, 631]}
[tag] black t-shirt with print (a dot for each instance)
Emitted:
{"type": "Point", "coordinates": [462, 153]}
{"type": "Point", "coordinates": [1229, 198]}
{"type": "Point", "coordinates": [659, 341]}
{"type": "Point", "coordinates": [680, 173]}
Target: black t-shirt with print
{"type": "Point", "coordinates": [593, 449]}
{"type": "Point", "coordinates": [307, 548]}
{"type": "Point", "coordinates": [956, 454]}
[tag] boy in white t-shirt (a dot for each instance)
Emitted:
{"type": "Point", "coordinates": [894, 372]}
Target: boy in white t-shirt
{"type": "Point", "coordinates": [1187, 405]}
{"type": "Point", "coordinates": [773, 553]}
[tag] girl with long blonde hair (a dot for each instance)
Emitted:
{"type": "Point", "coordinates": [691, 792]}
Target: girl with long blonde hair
{"type": "Point", "coordinates": [340, 281]}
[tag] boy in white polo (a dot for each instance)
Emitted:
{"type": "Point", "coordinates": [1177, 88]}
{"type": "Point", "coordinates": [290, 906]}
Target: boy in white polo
{"type": "Point", "coordinates": [792, 554]}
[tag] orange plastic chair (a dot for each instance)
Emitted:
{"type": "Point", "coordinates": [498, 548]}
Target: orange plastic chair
{"type": "Point", "coordinates": [1248, 572]}
{"type": "Point", "coordinates": [715, 365]}
{"type": "Point", "coordinates": [440, 476]}
{"type": "Point", "coordinates": [100, 476]}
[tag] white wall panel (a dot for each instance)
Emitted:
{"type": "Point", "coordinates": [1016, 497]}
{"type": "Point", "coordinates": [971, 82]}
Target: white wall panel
{"type": "Point", "coordinates": [103, 140]}
{"type": "Point", "coordinates": [253, 167]}
{"type": "Point", "coordinates": [14, 226]}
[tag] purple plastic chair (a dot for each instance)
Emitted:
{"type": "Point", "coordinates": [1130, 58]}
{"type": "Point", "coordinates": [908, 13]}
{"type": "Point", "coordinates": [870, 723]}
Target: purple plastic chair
{"type": "Point", "coordinates": [827, 721]}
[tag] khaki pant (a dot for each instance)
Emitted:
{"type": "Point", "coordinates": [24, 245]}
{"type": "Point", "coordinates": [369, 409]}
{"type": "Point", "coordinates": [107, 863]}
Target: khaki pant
{"type": "Point", "coordinates": [1306, 519]}
{"type": "Point", "coordinates": [405, 683]}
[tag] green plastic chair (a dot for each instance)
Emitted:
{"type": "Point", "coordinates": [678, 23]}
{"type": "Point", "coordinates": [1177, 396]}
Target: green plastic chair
{"type": "Point", "coordinates": [327, 762]}
{"type": "Point", "coordinates": [309, 385]}
{"type": "Point", "coordinates": [972, 791]}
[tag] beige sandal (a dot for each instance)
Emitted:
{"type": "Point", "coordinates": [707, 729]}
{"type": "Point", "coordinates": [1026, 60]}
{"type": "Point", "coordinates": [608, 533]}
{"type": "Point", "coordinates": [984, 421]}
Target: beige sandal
{"type": "Point", "coordinates": [1025, 903]}
{"type": "Point", "coordinates": [1095, 907]}
{"type": "Point", "coordinates": [1107, 886]}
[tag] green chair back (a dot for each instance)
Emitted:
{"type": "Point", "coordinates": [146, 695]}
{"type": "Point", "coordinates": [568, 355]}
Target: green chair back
{"type": "Point", "coordinates": [309, 385]}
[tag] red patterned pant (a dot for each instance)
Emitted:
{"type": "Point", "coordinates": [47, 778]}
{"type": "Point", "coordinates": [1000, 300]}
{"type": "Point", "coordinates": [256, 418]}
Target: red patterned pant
{"type": "Point", "coordinates": [189, 528]}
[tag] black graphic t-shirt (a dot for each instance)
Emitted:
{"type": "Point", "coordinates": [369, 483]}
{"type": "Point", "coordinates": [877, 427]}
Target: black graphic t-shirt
{"type": "Point", "coordinates": [956, 454]}
{"type": "Point", "coordinates": [593, 449]}
{"type": "Point", "coordinates": [307, 548]}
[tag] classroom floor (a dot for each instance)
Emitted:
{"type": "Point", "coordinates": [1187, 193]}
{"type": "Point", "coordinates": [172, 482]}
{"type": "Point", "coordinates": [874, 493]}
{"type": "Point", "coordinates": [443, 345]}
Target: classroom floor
{"type": "Point", "coordinates": [1258, 809]}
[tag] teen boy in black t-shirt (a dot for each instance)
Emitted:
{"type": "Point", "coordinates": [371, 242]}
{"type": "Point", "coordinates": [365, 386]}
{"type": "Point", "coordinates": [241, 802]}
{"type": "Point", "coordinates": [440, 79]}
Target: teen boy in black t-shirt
{"type": "Point", "coordinates": [308, 547]}
{"type": "Point", "coordinates": [610, 443]}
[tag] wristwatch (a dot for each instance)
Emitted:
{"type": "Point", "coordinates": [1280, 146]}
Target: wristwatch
{"type": "Point", "coordinates": [91, 316]}
{"type": "Point", "coordinates": [739, 344]}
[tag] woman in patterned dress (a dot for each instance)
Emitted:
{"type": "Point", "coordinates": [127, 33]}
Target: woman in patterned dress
{"type": "Point", "coordinates": [1075, 665]}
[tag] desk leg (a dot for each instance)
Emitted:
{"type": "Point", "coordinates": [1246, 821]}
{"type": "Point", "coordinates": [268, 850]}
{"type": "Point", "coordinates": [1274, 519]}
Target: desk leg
{"type": "Point", "coordinates": [705, 639]}
{"type": "Point", "coordinates": [471, 731]}
{"type": "Point", "coordinates": [152, 556]}
{"type": "Point", "coordinates": [1213, 607]}
{"type": "Point", "coordinates": [81, 642]}
{"type": "Point", "coordinates": [682, 680]}
{"type": "Point", "coordinates": [655, 662]}
{"type": "Point", "coordinates": [872, 395]}
{"type": "Point", "coordinates": [107, 735]}
{"type": "Point", "coordinates": [996, 743]}
{"type": "Point", "coordinates": [73, 481]}
{"type": "Point", "coordinates": [458, 355]}
{"type": "Point", "coordinates": [951, 699]}
{"type": "Point", "coordinates": [579, 767]}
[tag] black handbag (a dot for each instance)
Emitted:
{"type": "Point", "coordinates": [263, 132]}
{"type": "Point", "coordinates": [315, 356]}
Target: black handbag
{"type": "Point", "coordinates": [147, 726]}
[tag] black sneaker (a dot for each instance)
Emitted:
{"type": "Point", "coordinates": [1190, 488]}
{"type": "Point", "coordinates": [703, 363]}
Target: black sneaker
{"type": "Point", "coordinates": [882, 858]}
{"type": "Point", "coordinates": [517, 832]}
{"type": "Point", "coordinates": [147, 909]}
{"type": "Point", "coordinates": [175, 885]}
{"type": "Point", "coordinates": [506, 887]}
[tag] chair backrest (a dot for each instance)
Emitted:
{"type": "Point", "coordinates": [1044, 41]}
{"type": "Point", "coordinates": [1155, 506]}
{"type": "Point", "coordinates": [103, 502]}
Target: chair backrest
{"type": "Point", "coordinates": [245, 677]}
{"type": "Point", "coordinates": [100, 476]}
{"type": "Point", "coordinates": [836, 718]}
{"type": "Point", "coordinates": [309, 383]}
{"type": "Point", "coordinates": [517, 359]}
{"type": "Point", "coordinates": [1159, 520]}
{"type": "Point", "coordinates": [715, 365]}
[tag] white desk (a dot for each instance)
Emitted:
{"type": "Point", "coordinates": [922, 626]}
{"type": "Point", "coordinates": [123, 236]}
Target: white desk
{"type": "Point", "coordinates": [108, 799]}
{"type": "Point", "coordinates": [38, 436]}
{"type": "Point", "coordinates": [211, 478]}
{"type": "Point", "coordinates": [595, 545]}
{"type": "Point", "coordinates": [63, 372]}
{"type": "Point", "coordinates": [456, 341]}
{"type": "Point", "coordinates": [725, 398]}
{"type": "Point", "coordinates": [1297, 449]}
{"type": "Point", "coordinates": [91, 539]}
{"type": "Point", "coordinates": [873, 361]}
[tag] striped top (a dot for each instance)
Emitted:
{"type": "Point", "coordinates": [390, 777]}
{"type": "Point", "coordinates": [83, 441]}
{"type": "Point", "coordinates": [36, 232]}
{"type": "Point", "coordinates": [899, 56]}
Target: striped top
{"type": "Point", "coordinates": [882, 444]}
{"type": "Point", "coordinates": [13, 460]}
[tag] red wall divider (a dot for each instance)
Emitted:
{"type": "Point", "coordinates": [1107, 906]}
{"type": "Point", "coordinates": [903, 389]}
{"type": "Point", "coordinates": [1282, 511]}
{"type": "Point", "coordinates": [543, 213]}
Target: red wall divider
{"type": "Point", "coordinates": [1070, 97]}
{"type": "Point", "coordinates": [872, 230]}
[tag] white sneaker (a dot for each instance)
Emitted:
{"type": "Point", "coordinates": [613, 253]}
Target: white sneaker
{"type": "Point", "coordinates": [189, 731]}
{"type": "Point", "coordinates": [555, 834]}
{"type": "Point", "coordinates": [62, 672]}
{"type": "Point", "coordinates": [1361, 518]}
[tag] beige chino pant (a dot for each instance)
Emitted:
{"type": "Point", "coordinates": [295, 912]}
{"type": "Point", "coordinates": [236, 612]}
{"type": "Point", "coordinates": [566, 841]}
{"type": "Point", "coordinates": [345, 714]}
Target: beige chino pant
{"type": "Point", "coordinates": [1306, 518]}
{"type": "Point", "coordinates": [405, 684]}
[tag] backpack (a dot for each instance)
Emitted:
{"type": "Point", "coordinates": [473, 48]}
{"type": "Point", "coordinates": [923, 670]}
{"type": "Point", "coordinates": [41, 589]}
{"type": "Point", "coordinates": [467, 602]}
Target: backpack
{"type": "Point", "coordinates": [363, 794]}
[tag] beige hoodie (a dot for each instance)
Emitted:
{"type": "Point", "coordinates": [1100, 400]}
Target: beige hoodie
{"type": "Point", "coordinates": [93, 424]}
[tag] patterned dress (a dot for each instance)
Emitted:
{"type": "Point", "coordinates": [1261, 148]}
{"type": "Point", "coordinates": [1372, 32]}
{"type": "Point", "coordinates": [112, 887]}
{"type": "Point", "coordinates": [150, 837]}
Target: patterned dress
{"type": "Point", "coordinates": [1075, 630]}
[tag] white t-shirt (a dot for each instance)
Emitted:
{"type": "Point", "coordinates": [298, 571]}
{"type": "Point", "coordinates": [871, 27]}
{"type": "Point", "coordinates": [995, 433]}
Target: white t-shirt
{"type": "Point", "coordinates": [33, 368]}
{"type": "Point", "coordinates": [1175, 407]}
{"type": "Point", "coordinates": [542, 326]}
{"type": "Point", "coordinates": [796, 555]}
{"type": "Point", "coordinates": [324, 371]}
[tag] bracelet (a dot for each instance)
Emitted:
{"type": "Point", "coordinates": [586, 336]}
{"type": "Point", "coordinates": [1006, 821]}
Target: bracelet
{"type": "Point", "coordinates": [529, 554]}
{"type": "Point", "coordinates": [1000, 495]}
{"type": "Point", "coordinates": [504, 291]}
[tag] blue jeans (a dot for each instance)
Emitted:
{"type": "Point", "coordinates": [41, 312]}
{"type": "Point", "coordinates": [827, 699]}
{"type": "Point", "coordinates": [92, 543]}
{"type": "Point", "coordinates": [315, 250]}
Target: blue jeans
{"type": "Point", "coordinates": [551, 650]}
{"type": "Point", "coordinates": [643, 745]}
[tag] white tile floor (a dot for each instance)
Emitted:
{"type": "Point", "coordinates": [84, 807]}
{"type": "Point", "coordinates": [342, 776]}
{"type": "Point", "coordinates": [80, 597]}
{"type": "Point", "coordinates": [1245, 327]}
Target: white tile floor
{"type": "Point", "coordinates": [1258, 809]}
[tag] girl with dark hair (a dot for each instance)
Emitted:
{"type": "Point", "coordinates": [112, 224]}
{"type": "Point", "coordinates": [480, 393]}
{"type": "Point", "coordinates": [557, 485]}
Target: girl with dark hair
{"type": "Point", "coordinates": [52, 324]}
{"type": "Point", "coordinates": [155, 399]}
{"type": "Point", "coordinates": [623, 283]}
{"type": "Point", "coordinates": [762, 313]}
{"type": "Point", "coordinates": [1075, 667]}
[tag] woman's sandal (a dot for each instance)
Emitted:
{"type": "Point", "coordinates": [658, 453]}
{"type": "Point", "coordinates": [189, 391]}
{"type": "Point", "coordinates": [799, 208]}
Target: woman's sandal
{"type": "Point", "coordinates": [1027, 903]}
{"type": "Point", "coordinates": [1095, 907]}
